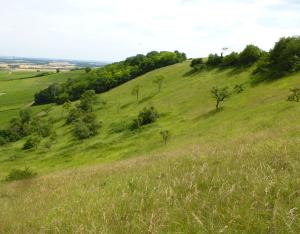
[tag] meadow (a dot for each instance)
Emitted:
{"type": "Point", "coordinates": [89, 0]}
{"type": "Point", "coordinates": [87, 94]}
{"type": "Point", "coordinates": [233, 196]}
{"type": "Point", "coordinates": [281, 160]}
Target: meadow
{"type": "Point", "coordinates": [234, 170]}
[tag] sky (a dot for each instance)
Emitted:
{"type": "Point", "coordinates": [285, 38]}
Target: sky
{"type": "Point", "coordinates": [111, 30]}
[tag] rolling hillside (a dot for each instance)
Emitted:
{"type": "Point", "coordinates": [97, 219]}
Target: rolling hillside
{"type": "Point", "coordinates": [19, 87]}
{"type": "Point", "coordinates": [234, 170]}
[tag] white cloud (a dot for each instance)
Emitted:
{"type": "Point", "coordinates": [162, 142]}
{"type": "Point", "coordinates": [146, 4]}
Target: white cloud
{"type": "Point", "coordinates": [114, 29]}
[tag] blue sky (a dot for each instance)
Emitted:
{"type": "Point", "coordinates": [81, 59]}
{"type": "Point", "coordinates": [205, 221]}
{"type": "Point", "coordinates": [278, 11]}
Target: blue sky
{"type": "Point", "coordinates": [110, 30]}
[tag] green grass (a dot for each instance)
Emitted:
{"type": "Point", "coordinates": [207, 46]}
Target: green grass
{"type": "Point", "coordinates": [18, 88]}
{"type": "Point", "coordinates": [236, 170]}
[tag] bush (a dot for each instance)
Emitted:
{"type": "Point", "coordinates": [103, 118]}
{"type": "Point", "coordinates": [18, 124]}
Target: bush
{"type": "Point", "coordinates": [238, 88]}
{"type": "Point", "coordinates": [231, 60]}
{"type": "Point", "coordinates": [197, 64]}
{"type": "Point", "coordinates": [295, 95]}
{"type": "Point", "coordinates": [86, 127]}
{"type": "Point", "coordinates": [18, 174]}
{"type": "Point", "coordinates": [118, 127]}
{"type": "Point", "coordinates": [285, 56]}
{"type": "Point", "coordinates": [3, 140]}
{"type": "Point", "coordinates": [81, 130]}
{"type": "Point", "coordinates": [249, 55]}
{"type": "Point", "coordinates": [214, 60]}
{"type": "Point", "coordinates": [73, 115]}
{"type": "Point", "coordinates": [146, 116]}
{"type": "Point", "coordinates": [31, 142]}
{"type": "Point", "coordinates": [87, 100]}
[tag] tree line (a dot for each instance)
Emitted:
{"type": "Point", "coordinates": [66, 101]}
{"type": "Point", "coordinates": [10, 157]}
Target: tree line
{"type": "Point", "coordinates": [281, 60]}
{"type": "Point", "coordinates": [107, 77]}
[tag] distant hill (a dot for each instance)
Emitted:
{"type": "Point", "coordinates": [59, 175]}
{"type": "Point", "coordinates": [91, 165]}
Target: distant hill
{"type": "Point", "coordinates": [7, 62]}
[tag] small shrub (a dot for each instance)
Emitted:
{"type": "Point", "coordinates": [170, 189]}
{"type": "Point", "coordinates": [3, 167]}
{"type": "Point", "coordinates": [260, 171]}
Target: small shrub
{"type": "Point", "coordinates": [118, 127]}
{"type": "Point", "coordinates": [146, 116]}
{"type": "Point", "coordinates": [198, 64]}
{"type": "Point", "coordinates": [214, 60]}
{"type": "Point", "coordinates": [238, 88]}
{"type": "Point", "coordinates": [32, 142]}
{"type": "Point", "coordinates": [3, 140]}
{"type": "Point", "coordinates": [165, 134]}
{"type": "Point", "coordinates": [231, 60]}
{"type": "Point", "coordinates": [18, 174]}
{"type": "Point", "coordinates": [81, 130]}
{"type": "Point", "coordinates": [86, 127]}
{"type": "Point", "coordinates": [249, 55]}
{"type": "Point", "coordinates": [73, 115]}
{"type": "Point", "coordinates": [295, 95]}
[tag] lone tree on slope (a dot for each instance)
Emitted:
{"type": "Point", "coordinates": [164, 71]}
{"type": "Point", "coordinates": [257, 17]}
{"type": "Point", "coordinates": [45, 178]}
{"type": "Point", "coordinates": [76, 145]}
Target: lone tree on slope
{"type": "Point", "coordinates": [159, 81]}
{"type": "Point", "coordinates": [136, 91]}
{"type": "Point", "coordinates": [220, 94]}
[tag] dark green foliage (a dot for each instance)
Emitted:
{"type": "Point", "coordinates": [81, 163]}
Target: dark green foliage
{"type": "Point", "coordinates": [87, 100]}
{"type": "Point", "coordinates": [42, 128]}
{"type": "Point", "coordinates": [285, 56]}
{"type": "Point", "coordinates": [81, 130]}
{"type": "Point", "coordinates": [84, 120]}
{"type": "Point", "coordinates": [86, 127]}
{"type": "Point", "coordinates": [57, 70]}
{"type": "Point", "coordinates": [31, 142]}
{"type": "Point", "coordinates": [62, 98]}
{"type": "Point", "coordinates": [263, 64]}
{"type": "Point", "coordinates": [108, 77]}
{"type": "Point", "coordinates": [249, 55]}
{"type": "Point", "coordinates": [238, 88]}
{"type": "Point", "coordinates": [165, 134]}
{"type": "Point", "coordinates": [19, 174]}
{"type": "Point", "coordinates": [25, 115]}
{"type": "Point", "coordinates": [220, 94]}
{"type": "Point", "coordinates": [49, 95]}
{"type": "Point", "coordinates": [283, 59]}
{"type": "Point", "coordinates": [3, 140]}
{"type": "Point", "coordinates": [214, 60]}
{"type": "Point", "coordinates": [26, 125]}
{"type": "Point", "coordinates": [295, 95]}
{"type": "Point", "coordinates": [119, 127]}
{"type": "Point", "coordinates": [197, 61]}
{"type": "Point", "coordinates": [87, 69]}
{"type": "Point", "coordinates": [146, 116]}
{"type": "Point", "coordinates": [73, 115]}
{"type": "Point", "coordinates": [231, 60]}
{"type": "Point", "coordinates": [198, 64]}
{"type": "Point", "coordinates": [43, 74]}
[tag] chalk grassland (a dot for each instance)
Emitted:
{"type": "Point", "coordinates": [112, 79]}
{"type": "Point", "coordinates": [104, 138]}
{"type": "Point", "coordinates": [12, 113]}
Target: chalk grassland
{"type": "Point", "coordinates": [232, 171]}
{"type": "Point", "coordinates": [235, 186]}
{"type": "Point", "coordinates": [187, 111]}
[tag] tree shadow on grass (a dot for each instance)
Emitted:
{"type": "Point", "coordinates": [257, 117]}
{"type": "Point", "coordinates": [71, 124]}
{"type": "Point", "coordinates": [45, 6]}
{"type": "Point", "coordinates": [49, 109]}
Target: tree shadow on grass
{"type": "Point", "coordinates": [126, 105]}
{"type": "Point", "coordinates": [147, 98]}
{"type": "Point", "coordinates": [208, 114]}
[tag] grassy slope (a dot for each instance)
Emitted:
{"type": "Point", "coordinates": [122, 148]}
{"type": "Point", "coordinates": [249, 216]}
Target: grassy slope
{"type": "Point", "coordinates": [229, 171]}
{"type": "Point", "coordinates": [20, 87]}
